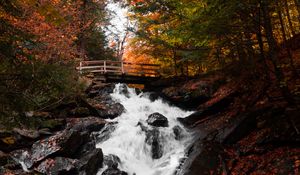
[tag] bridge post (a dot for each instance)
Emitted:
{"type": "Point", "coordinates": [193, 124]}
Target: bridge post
{"type": "Point", "coordinates": [104, 66]}
{"type": "Point", "coordinates": [80, 67]}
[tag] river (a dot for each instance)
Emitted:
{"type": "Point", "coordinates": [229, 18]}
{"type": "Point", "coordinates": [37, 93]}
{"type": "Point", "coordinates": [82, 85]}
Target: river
{"type": "Point", "coordinates": [128, 140]}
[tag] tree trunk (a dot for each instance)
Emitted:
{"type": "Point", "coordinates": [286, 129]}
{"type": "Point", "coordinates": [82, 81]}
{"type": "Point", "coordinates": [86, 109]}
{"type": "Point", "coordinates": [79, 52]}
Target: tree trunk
{"type": "Point", "coordinates": [261, 46]}
{"type": "Point", "coordinates": [273, 52]}
{"type": "Point", "coordinates": [175, 62]}
{"type": "Point", "coordinates": [297, 3]}
{"type": "Point", "coordinates": [286, 6]}
{"type": "Point", "coordinates": [285, 41]}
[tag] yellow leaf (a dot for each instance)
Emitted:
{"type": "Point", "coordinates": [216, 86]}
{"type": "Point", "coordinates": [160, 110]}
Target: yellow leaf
{"type": "Point", "coordinates": [9, 140]}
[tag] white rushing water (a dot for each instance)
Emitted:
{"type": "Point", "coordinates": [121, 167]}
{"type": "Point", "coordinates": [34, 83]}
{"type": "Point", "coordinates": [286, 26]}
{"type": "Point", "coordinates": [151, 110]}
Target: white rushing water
{"type": "Point", "coordinates": [127, 141]}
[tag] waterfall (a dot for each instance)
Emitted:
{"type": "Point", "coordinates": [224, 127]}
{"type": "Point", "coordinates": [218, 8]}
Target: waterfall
{"type": "Point", "coordinates": [128, 140]}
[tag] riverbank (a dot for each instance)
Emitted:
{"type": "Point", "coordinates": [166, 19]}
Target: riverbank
{"type": "Point", "coordinates": [244, 124]}
{"type": "Point", "coordinates": [59, 139]}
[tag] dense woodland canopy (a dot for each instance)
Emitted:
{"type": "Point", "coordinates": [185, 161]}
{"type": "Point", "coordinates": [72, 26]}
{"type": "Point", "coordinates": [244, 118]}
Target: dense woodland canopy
{"type": "Point", "coordinates": [196, 36]}
{"type": "Point", "coordinates": [41, 41]}
{"type": "Point", "coordinates": [199, 35]}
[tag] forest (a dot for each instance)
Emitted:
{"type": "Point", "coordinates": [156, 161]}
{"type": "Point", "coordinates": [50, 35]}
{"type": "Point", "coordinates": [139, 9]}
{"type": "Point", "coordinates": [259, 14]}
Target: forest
{"type": "Point", "coordinates": [235, 63]}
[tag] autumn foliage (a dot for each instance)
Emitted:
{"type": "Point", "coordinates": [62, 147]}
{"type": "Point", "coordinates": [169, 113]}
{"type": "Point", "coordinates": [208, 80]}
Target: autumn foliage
{"type": "Point", "coordinates": [40, 41]}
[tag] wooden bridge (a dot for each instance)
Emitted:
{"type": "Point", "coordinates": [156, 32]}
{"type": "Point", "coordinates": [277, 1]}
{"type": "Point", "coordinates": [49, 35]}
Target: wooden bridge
{"type": "Point", "coordinates": [120, 71]}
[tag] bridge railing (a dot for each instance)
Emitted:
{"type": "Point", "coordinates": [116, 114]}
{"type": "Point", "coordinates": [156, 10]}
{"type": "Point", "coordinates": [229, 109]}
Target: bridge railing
{"type": "Point", "coordinates": [119, 67]}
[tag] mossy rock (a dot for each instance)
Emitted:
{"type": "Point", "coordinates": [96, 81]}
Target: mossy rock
{"type": "Point", "coordinates": [53, 124]}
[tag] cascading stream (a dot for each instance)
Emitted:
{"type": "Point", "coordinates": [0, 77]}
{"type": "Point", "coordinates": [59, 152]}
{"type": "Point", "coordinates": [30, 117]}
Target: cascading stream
{"type": "Point", "coordinates": [128, 140]}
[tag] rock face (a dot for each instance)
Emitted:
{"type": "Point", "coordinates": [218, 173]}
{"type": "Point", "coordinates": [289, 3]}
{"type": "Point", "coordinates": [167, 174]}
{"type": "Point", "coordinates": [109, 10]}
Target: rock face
{"type": "Point", "coordinates": [177, 130]}
{"type": "Point", "coordinates": [157, 120]}
{"type": "Point", "coordinates": [91, 161]}
{"type": "Point", "coordinates": [112, 171]}
{"type": "Point", "coordinates": [153, 139]}
{"type": "Point", "coordinates": [62, 139]}
{"type": "Point", "coordinates": [88, 124]}
{"type": "Point", "coordinates": [71, 151]}
{"type": "Point", "coordinates": [63, 143]}
{"type": "Point", "coordinates": [112, 162]}
{"type": "Point", "coordinates": [105, 109]}
{"type": "Point", "coordinates": [58, 165]}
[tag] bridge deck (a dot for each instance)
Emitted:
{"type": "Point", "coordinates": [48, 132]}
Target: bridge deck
{"type": "Point", "coordinates": [120, 71]}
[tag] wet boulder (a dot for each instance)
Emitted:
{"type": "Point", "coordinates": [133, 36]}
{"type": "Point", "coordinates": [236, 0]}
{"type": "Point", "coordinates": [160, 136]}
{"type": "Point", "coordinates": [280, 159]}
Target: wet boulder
{"type": "Point", "coordinates": [138, 91]}
{"type": "Point", "coordinates": [58, 165]}
{"type": "Point", "coordinates": [111, 161]}
{"type": "Point", "coordinates": [114, 171]}
{"type": "Point", "coordinates": [91, 162]}
{"type": "Point", "coordinates": [7, 163]}
{"type": "Point", "coordinates": [3, 158]}
{"type": "Point", "coordinates": [152, 96]}
{"type": "Point", "coordinates": [104, 134]}
{"type": "Point", "coordinates": [105, 88]}
{"type": "Point", "coordinates": [11, 140]}
{"type": "Point", "coordinates": [80, 112]}
{"type": "Point", "coordinates": [105, 110]}
{"type": "Point", "coordinates": [86, 148]}
{"type": "Point", "coordinates": [123, 89]}
{"type": "Point", "coordinates": [22, 155]}
{"type": "Point", "coordinates": [153, 139]}
{"type": "Point", "coordinates": [63, 143]}
{"type": "Point", "coordinates": [157, 120]}
{"type": "Point", "coordinates": [27, 133]}
{"type": "Point", "coordinates": [177, 130]}
{"type": "Point", "coordinates": [88, 124]}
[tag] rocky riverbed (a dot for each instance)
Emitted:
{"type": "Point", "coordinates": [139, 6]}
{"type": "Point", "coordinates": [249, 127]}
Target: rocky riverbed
{"type": "Point", "coordinates": [238, 129]}
{"type": "Point", "coordinates": [62, 141]}
{"type": "Point", "coordinates": [244, 127]}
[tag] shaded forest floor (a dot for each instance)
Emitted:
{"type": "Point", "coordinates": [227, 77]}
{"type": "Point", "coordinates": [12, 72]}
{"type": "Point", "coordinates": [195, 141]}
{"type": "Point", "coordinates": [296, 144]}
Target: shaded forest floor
{"type": "Point", "coordinates": [243, 123]}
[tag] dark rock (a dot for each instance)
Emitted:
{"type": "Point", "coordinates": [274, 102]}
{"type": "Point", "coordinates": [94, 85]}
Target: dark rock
{"type": "Point", "coordinates": [91, 161]}
{"type": "Point", "coordinates": [112, 171]}
{"type": "Point", "coordinates": [156, 147]}
{"type": "Point", "coordinates": [111, 161]}
{"type": "Point", "coordinates": [142, 126]}
{"type": "Point", "coordinates": [123, 89]}
{"type": "Point", "coordinates": [38, 114]}
{"type": "Point", "coordinates": [22, 155]}
{"type": "Point", "coordinates": [178, 132]}
{"type": "Point", "coordinates": [92, 93]}
{"type": "Point", "coordinates": [217, 105]}
{"type": "Point", "coordinates": [3, 158]}
{"type": "Point", "coordinates": [105, 88]}
{"type": "Point", "coordinates": [58, 165]}
{"type": "Point", "coordinates": [88, 124]}
{"type": "Point", "coordinates": [153, 96]}
{"type": "Point", "coordinates": [87, 147]}
{"type": "Point", "coordinates": [137, 91]}
{"type": "Point", "coordinates": [64, 143]}
{"type": "Point", "coordinates": [80, 112]}
{"type": "Point", "coordinates": [31, 134]}
{"type": "Point", "coordinates": [158, 120]}
{"type": "Point", "coordinates": [7, 171]}
{"type": "Point", "coordinates": [106, 131]}
{"type": "Point", "coordinates": [153, 139]}
{"type": "Point", "coordinates": [105, 110]}
{"type": "Point", "coordinates": [45, 131]}
{"type": "Point", "coordinates": [53, 124]}
{"type": "Point", "coordinates": [205, 158]}
{"type": "Point", "coordinates": [10, 141]}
